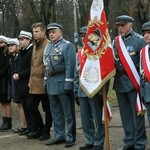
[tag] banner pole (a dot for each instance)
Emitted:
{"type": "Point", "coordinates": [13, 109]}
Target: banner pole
{"type": "Point", "coordinates": [105, 118]}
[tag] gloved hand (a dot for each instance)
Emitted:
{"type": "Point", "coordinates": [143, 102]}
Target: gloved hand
{"type": "Point", "coordinates": [68, 91]}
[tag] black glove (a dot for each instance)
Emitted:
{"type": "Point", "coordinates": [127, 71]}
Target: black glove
{"type": "Point", "coordinates": [68, 91]}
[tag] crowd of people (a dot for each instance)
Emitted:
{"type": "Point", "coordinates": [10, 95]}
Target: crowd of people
{"type": "Point", "coordinates": [38, 69]}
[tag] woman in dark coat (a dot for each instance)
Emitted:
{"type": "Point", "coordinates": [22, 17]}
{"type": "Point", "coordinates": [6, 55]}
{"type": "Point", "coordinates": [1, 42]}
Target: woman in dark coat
{"type": "Point", "coordinates": [4, 100]}
{"type": "Point", "coordinates": [13, 48]}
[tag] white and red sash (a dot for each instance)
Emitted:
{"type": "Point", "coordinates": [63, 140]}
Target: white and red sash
{"type": "Point", "coordinates": [146, 61]}
{"type": "Point", "coordinates": [131, 71]}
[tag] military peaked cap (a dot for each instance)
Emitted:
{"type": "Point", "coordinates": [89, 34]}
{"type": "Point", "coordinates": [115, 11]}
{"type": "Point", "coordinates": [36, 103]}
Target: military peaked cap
{"type": "Point", "coordinates": [54, 26]}
{"type": "Point", "coordinates": [146, 26]}
{"type": "Point", "coordinates": [124, 19]}
{"type": "Point", "coordinates": [83, 30]}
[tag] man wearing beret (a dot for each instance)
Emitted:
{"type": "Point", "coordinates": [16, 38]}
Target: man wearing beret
{"type": "Point", "coordinates": [145, 72]}
{"type": "Point", "coordinates": [60, 59]}
{"type": "Point", "coordinates": [127, 48]}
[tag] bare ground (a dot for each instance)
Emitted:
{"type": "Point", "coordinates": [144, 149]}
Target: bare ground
{"type": "Point", "coordinates": [12, 141]}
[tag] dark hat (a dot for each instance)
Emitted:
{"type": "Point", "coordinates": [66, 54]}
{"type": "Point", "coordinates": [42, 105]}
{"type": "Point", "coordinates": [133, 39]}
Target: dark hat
{"type": "Point", "coordinates": [146, 26]}
{"type": "Point", "coordinates": [25, 34]}
{"type": "Point", "coordinates": [54, 26]}
{"type": "Point", "coordinates": [83, 30]}
{"type": "Point", "coordinates": [124, 19]}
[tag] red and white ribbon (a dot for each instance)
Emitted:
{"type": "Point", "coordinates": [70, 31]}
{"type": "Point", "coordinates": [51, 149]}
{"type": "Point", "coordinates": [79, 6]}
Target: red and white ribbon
{"type": "Point", "coordinates": [146, 61]}
{"type": "Point", "coordinates": [130, 70]}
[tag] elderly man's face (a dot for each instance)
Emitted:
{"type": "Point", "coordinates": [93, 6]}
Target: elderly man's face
{"type": "Point", "coordinates": [54, 34]}
{"type": "Point", "coordinates": [124, 29]}
{"type": "Point", "coordinates": [146, 35]}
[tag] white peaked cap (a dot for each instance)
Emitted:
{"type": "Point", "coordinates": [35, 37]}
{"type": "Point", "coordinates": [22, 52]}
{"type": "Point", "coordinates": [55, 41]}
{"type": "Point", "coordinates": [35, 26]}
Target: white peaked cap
{"type": "Point", "coordinates": [13, 41]}
{"type": "Point", "coordinates": [25, 34]}
{"type": "Point", "coordinates": [4, 38]}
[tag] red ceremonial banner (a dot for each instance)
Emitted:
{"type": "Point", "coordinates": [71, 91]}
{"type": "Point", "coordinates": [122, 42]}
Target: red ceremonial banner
{"type": "Point", "coordinates": [97, 62]}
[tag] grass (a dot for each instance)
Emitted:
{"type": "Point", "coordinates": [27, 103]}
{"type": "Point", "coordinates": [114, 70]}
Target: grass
{"type": "Point", "coordinates": [112, 97]}
{"type": "Point", "coordinates": [112, 94]}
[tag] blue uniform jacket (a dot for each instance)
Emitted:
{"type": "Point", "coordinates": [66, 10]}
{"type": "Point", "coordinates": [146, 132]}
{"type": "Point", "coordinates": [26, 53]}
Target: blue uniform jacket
{"type": "Point", "coordinates": [59, 57]}
{"type": "Point", "coordinates": [145, 84]}
{"type": "Point", "coordinates": [134, 43]}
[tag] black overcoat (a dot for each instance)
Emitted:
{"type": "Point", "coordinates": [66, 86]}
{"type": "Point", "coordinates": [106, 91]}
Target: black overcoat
{"type": "Point", "coordinates": [23, 69]}
{"type": "Point", "coordinates": [4, 64]}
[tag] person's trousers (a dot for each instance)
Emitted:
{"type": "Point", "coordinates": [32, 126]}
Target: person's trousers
{"type": "Point", "coordinates": [25, 100]}
{"type": "Point", "coordinates": [63, 116]}
{"type": "Point", "coordinates": [133, 124]}
{"type": "Point", "coordinates": [36, 115]}
{"type": "Point", "coordinates": [147, 105]}
{"type": "Point", "coordinates": [91, 118]}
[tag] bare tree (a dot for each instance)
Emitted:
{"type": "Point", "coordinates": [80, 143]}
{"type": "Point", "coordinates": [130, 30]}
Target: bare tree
{"type": "Point", "coordinates": [139, 10]}
{"type": "Point", "coordinates": [84, 10]}
{"type": "Point", "coordinates": [10, 23]}
{"type": "Point", "coordinates": [43, 10]}
{"type": "Point", "coordinates": [21, 14]}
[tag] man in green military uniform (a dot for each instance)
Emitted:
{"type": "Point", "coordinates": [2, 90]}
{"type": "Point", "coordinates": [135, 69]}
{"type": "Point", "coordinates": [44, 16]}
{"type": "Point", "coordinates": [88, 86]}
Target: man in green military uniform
{"type": "Point", "coordinates": [127, 48]}
{"type": "Point", "coordinates": [145, 72]}
{"type": "Point", "coordinates": [90, 108]}
{"type": "Point", "coordinates": [60, 60]}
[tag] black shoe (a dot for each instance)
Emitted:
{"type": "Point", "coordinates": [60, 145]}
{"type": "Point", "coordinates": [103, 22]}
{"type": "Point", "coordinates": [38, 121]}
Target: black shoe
{"type": "Point", "coordinates": [97, 148]}
{"type": "Point", "coordinates": [131, 147]}
{"type": "Point", "coordinates": [19, 129]}
{"type": "Point", "coordinates": [7, 126]}
{"type": "Point", "coordinates": [54, 141]}
{"type": "Point", "coordinates": [34, 135]}
{"type": "Point", "coordinates": [44, 136]}
{"type": "Point", "coordinates": [25, 132]}
{"type": "Point", "coordinates": [3, 124]}
{"type": "Point", "coordinates": [2, 127]}
{"type": "Point", "coordinates": [69, 143]}
{"type": "Point", "coordinates": [28, 134]}
{"type": "Point", "coordinates": [86, 147]}
{"type": "Point", "coordinates": [139, 148]}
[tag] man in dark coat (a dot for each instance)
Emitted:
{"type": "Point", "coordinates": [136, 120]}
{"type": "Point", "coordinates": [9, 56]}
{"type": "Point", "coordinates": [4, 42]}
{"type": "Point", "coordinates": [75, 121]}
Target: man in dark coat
{"type": "Point", "coordinates": [22, 73]}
